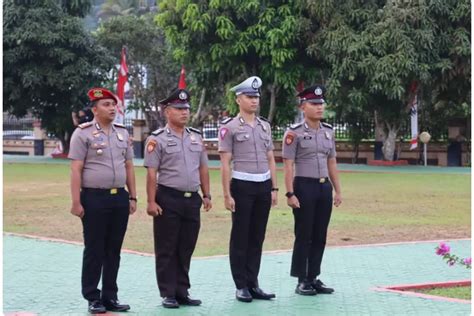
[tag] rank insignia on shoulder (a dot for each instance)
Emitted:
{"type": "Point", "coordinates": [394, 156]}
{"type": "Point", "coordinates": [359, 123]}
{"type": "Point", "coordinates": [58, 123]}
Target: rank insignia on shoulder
{"type": "Point", "coordinates": [227, 120]}
{"type": "Point", "coordinates": [327, 125]}
{"type": "Point", "coordinates": [119, 125]}
{"type": "Point", "coordinates": [151, 145]}
{"type": "Point", "coordinates": [264, 119]}
{"type": "Point", "coordinates": [295, 126]}
{"type": "Point", "coordinates": [84, 125]}
{"type": "Point", "coordinates": [158, 132]}
{"type": "Point", "coordinates": [195, 130]}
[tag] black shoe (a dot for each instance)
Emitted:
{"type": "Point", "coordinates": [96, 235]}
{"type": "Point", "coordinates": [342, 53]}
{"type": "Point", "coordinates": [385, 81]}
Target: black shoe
{"type": "Point", "coordinates": [258, 294]}
{"type": "Point", "coordinates": [305, 288]}
{"type": "Point", "coordinates": [188, 301]}
{"type": "Point", "coordinates": [320, 287]}
{"type": "Point", "coordinates": [243, 295]}
{"type": "Point", "coordinates": [170, 302]}
{"type": "Point", "coordinates": [115, 306]}
{"type": "Point", "coordinates": [96, 307]}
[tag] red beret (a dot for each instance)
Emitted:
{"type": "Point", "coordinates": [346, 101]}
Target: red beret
{"type": "Point", "coordinates": [101, 93]}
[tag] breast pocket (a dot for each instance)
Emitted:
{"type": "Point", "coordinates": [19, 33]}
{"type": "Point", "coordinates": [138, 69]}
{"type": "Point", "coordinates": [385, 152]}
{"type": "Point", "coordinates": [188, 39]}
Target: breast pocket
{"type": "Point", "coordinates": [195, 148]}
{"type": "Point", "coordinates": [242, 137]}
{"type": "Point", "coordinates": [122, 148]}
{"type": "Point", "coordinates": [196, 151]}
{"type": "Point", "coordinates": [306, 143]}
{"type": "Point", "coordinates": [265, 140]}
{"type": "Point", "coordinates": [326, 147]}
{"type": "Point", "coordinates": [172, 149]}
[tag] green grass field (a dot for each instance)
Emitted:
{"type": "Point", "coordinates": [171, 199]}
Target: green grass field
{"type": "Point", "coordinates": [377, 207]}
{"type": "Point", "coordinates": [462, 292]}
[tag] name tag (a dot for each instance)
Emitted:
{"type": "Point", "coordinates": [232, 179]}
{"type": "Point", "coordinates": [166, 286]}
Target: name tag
{"type": "Point", "coordinates": [170, 144]}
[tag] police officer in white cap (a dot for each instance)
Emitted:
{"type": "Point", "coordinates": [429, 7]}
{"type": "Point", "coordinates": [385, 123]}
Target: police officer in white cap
{"type": "Point", "coordinates": [250, 189]}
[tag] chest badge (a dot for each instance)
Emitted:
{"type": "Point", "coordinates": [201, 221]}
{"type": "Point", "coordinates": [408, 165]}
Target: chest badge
{"type": "Point", "coordinates": [328, 136]}
{"type": "Point", "coordinates": [99, 152]}
{"type": "Point", "coordinates": [120, 137]}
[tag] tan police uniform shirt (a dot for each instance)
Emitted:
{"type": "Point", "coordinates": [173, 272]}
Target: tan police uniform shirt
{"type": "Point", "coordinates": [103, 155]}
{"type": "Point", "coordinates": [249, 145]}
{"type": "Point", "coordinates": [176, 158]}
{"type": "Point", "coordinates": [310, 149]}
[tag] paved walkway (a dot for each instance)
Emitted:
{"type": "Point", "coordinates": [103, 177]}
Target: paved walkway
{"type": "Point", "coordinates": [44, 278]}
{"type": "Point", "coordinates": [216, 164]}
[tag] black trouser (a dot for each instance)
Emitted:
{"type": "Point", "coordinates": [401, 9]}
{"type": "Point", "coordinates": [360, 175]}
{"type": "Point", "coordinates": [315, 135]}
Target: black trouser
{"type": "Point", "coordinates": [249, 222]}
{"type": "Point", "coordinates": [176, 231]}
{"type": "Point", "coordinates": [311, 226]}
{"type": "Point", "coordinates": [104, 224]}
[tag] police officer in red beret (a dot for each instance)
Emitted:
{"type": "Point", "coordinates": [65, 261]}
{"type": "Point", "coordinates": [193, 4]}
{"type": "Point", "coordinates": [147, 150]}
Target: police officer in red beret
{"type": "Point", "coordinates": [309, 153]}
{"type": "Point", "coordinates": [101, 166]}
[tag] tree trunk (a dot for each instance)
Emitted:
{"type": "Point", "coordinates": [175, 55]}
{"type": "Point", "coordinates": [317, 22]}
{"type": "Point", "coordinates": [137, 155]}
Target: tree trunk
{"type": "Point", "coordinates": [355, 153]}
{"type": "Point", "coordinates": [196, 120]}
{"type": "Point", "coordinates": [272, 110]}
{"type": "Point", "coordinates": [388, 147]}
{"type": "Point", "coordinates": [387, 134]}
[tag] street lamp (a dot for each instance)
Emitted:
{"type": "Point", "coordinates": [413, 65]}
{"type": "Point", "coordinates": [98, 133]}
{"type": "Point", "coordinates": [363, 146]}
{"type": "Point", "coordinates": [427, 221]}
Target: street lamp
{"type": "Point", "coordinates": [425, 138]}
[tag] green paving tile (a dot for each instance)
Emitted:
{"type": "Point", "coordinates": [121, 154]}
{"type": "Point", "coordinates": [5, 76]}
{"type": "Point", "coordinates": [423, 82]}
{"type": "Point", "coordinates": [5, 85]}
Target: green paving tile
{"type": "Point", "coordinates": [44, 277]}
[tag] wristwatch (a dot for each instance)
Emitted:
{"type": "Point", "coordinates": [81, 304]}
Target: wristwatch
{"type": "Point", "coordinates": [275, 189]}
{"type": "Point", "coordinates": [133, 199]}
{"type": "Point", "coordinates": [207, 196]}
{"type": "Point", "coordinates": [289, 194]}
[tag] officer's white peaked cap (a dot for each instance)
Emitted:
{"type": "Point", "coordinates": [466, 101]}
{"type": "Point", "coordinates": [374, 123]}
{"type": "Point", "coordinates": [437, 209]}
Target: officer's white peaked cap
{"type": "Point", "coordinates": [250, 86]}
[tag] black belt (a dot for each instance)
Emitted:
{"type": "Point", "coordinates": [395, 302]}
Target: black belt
{"type": "Point", "coordinates": [175, 192]}
{"type": "Point", "coordinates": [313, 180]}
{"type": "Point", "coordinates": [103, 191]}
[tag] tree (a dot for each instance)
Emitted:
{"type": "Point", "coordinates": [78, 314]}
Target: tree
{"type": "Point", "coordinates": [226, 41]}
{"type": "Point", "coordinates": [152, 74]}
{"type": "Point", "coordinates": [116, 8]}
{"type": "Point", "coordinates": [377, 50]}
{"type": "Point", "coordinates": [50, 63]}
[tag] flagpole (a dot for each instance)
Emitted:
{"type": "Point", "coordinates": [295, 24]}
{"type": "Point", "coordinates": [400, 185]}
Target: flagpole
{"type": "Point", "coordinates": [121, 82]}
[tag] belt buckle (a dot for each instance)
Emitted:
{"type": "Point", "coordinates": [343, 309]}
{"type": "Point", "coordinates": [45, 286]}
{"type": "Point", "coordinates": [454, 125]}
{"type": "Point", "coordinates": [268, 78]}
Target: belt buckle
{"type": "Point", "coordinates": [322, 180]}
{"type": "Point", "coordinates": [187, 194]}
{"type": "Point", "coordinates": [113, 191]}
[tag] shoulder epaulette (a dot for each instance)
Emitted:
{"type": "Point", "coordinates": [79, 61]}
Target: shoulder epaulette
{"type": "Point", "coordinates": [264, 119]}
{"type": "Point", "coordinates": [119, 125]}
{"type": "Point", "coordinates": [226, 120]}
{"type": "Point", "coordinates": [158, 131]}
{"type": "Point", "coordinates": [295, 126]}
{"type": "Point", "coordinates": [84, 125]}
{"type": "Point", "coordinates": [195, 130]}
{"type": "Point", "coordinates": [327, 125]}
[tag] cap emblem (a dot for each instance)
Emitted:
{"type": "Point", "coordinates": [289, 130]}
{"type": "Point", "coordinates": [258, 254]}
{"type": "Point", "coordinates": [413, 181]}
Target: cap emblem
{"type": "Point", "coordinates": [182, 95]}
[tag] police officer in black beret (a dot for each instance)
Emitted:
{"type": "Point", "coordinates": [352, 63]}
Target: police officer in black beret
{"type": "Point", "coordinates": [176, 162]}
{"type": "Point", "coordinates": [309, 153]}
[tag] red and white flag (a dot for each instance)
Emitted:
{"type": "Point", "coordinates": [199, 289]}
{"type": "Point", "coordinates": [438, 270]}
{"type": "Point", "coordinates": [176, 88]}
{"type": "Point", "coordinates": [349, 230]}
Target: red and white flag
{"type": "Point", "coordinates": [414, 123]}
{"type": "Point", "coordinates": [182, 78]}
{"type": "Point", "coordinates": [122, 80]}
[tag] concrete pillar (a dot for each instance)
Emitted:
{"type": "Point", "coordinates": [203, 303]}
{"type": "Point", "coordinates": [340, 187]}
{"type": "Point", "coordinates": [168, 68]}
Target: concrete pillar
{"type": "Point", "coordinates": [139, 137]}
{"type": "Point", "coordinates": [39, 135]}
